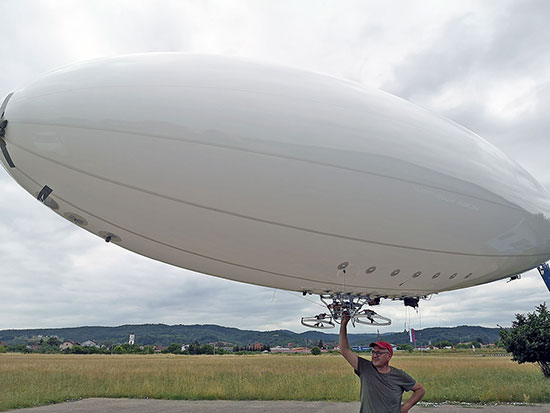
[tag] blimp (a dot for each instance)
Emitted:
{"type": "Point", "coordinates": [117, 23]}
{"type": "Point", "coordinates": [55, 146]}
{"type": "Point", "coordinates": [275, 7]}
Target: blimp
{"type": "Point", "coordinates": [275, 176]}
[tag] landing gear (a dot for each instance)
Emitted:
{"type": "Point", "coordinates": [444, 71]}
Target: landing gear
{"type": "Point", "coordinates": [340, 304]}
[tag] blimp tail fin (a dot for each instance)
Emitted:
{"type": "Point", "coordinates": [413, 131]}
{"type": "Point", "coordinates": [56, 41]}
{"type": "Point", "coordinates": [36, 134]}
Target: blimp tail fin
{"type": "Point", "coordinates": [3, 124]}
{"type": "Point", "coordinates": [544, 270]}
{"type": "Point", "coordinates": [4, 104]}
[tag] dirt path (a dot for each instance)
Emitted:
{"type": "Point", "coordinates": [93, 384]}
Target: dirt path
{"type": "Point", "coordinates": [222, 406]}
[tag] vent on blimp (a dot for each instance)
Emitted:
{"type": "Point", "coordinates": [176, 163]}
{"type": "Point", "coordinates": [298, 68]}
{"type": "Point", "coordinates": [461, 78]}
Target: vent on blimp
{"type": "Point", "coordinates": [75, 219]}
{"type": "Point", "coordinates": [370, 269]}
{"type": "Point", "coordinates": [343, 265]}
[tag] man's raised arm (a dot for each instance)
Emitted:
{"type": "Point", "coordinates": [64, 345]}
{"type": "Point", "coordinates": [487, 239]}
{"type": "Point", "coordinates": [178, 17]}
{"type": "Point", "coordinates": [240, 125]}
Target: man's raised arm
{"type": "Point", "coordinates": [343, 344]}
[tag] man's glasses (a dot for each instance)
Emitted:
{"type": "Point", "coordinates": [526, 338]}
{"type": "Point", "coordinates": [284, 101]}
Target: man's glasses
{"type": "Point", "coordinates": [380, 353]}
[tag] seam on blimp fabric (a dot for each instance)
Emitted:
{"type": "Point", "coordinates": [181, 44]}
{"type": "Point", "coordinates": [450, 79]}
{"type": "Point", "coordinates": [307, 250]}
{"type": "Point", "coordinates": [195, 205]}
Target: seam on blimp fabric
{"type": "Point", "coordinates": [220, 211]}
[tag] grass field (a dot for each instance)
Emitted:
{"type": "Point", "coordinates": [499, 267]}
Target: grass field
{"type": "Point", "coordinates": [32, 379]}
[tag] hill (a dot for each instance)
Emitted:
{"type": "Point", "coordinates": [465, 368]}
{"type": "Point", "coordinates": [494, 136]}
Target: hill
{"type": "Point", "coordinates": [166, 334]}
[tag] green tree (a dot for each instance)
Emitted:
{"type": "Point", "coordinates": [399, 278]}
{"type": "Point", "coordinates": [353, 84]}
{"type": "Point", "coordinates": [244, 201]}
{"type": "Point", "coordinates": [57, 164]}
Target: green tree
{"type": "Point", "coordinates": [3, 349]}
{"type": "Point", "coordinates": [148, 350]}
{"type": "Point", "coordinates": [206, 349]}
{"type": "Point", "coordinates": [130, 348]}
{"type": "Point", "coordinates": [79, 350]}
{"type": "Point", "coordinates": [117, 350]}
{"type": "Point", "coordinates": [48, 349]}
{"type": "Point", "coordinates": [315, 351]}
{"type": "Point", "coordinates": [529, 338]}
{"type": "Point", "coordinates": [17, 348]}
{"type": "Point", "coordinates": [195, 348]}
{"type": "Point", "coordinates": [54, 341]}
{"type": "Point", "coordinates": [173, 348]}
{"type": "Point", "coordinates": [406, 347]}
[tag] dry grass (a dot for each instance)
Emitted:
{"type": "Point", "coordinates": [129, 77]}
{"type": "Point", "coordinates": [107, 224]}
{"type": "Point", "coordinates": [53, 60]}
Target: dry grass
{"type": "Point", "coordinates": [32, 379]}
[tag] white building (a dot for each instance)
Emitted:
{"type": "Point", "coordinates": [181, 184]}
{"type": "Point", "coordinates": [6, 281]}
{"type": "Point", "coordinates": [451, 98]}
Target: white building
{"type": "Point", "coordinates": [132, 339]}
{"type": "Point", "coordinates": [90, 343]}
{"type": "Point", "coordinates": [279, 349]}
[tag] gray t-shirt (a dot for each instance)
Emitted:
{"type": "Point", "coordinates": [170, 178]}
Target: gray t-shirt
{"type": "Point", "coordinates": [381, 393]}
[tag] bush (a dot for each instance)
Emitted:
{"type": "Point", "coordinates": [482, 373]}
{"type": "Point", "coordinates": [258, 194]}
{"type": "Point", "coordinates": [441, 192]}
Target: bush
{"type": "Point", "coordinates": [315, 351]}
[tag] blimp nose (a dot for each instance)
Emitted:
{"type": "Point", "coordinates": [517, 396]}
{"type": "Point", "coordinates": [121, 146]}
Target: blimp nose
{"type": "Point", "coordinates": [3, 125]}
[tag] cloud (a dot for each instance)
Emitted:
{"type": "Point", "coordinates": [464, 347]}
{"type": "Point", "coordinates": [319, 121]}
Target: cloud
{"type": "Point", "coordinates": [485, 66]}
{"type": "Point", "coordinates": [488, 70]}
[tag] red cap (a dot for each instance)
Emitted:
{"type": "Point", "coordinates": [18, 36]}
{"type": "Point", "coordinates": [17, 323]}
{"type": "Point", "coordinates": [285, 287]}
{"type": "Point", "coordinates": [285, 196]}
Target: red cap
{"type": "Point", "coordinates": [383, 344]}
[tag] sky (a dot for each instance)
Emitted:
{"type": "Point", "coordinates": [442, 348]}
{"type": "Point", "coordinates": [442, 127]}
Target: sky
{"type": "Point", "coordinates": [483, 64]}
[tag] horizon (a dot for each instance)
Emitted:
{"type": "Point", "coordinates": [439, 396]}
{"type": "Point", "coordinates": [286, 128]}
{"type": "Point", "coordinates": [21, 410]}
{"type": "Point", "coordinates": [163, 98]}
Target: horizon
{"type": "Point", "coordinates": [243, 329]}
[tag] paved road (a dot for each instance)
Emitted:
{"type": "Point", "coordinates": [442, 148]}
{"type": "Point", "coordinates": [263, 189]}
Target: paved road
{"type": "Point", "coordinates": [222, 406]}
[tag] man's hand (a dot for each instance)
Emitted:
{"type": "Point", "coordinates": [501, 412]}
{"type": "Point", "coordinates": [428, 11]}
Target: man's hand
{"type": "Point", "coordinates": [418, 393]}
{"type": "Point", "coordinates": [345, 319]}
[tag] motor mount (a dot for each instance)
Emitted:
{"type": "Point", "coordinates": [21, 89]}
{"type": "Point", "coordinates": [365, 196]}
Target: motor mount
{"type": "Point", "coordinates": [346, 304]}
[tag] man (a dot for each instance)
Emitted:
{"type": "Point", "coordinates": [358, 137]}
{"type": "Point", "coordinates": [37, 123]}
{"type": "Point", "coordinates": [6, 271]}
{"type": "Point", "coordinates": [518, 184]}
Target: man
{"type": "Point", "coordinates": [382, 386]}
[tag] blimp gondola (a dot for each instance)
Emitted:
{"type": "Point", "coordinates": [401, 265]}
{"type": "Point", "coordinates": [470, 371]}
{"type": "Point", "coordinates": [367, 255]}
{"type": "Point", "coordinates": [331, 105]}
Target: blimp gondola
{"type": "Point", "coordinates": [275, 176]}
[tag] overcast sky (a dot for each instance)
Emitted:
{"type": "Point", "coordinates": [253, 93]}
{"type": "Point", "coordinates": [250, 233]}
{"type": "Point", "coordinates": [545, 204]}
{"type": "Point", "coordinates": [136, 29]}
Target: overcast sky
{"type": "Point", "coordinates": [484, 64]}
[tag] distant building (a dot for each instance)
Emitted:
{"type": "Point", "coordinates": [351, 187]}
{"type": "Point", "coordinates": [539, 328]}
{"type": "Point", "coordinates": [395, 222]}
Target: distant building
{"type": "Point", "coordinates": [132, 339]}
{"type": "Point", "coordinates": [254, 347]}
{"type": "Point", "coordinates": [301, 350]}
{"type": "Point", "coordinates": [361, 348]}
{"type": "Point", "coordinates": [90, 343]}
{"type": "Point", "coordinates": [279, 349]}
{"type": "Point", "coordinates": [159, 348]}
{"type": "Point", "coordinates": [67, 344]}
